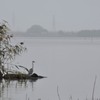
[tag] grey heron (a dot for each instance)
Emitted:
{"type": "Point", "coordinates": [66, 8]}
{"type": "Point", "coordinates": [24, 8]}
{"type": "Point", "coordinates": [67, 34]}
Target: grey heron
{"type": "Point", "coordinates": [30, 72]}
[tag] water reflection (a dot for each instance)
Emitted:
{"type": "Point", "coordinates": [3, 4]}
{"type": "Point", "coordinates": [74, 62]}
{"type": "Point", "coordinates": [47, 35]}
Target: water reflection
{"type": "Point", "coordinates": [8, 88]}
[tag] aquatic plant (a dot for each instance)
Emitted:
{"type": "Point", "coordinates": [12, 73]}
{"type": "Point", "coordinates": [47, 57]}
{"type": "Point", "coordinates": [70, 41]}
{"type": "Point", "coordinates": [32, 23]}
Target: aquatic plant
{"type": "Point", "coordinates": [8, 51]}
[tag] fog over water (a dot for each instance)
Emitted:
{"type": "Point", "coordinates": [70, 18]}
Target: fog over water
{"type": "Point", "coordinates": [69, 63]}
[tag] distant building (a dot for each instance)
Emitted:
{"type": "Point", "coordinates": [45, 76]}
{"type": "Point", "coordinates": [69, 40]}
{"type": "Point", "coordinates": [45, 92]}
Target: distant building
{"type": "Point", "coordinates": [36, 29]}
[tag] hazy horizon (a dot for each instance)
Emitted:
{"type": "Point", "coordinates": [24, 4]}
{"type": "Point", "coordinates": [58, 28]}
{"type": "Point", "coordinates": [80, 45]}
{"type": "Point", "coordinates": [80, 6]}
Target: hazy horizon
{"type": "Point", "coordinates": [70, 15]}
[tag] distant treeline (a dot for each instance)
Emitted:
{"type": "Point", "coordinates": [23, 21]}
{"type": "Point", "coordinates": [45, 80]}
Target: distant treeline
{"type": "Point", "coordinates": [39, 31]}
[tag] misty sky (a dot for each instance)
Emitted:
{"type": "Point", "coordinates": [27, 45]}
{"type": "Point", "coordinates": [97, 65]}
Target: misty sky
{"type": "Point", "coordinates": [70, 15]}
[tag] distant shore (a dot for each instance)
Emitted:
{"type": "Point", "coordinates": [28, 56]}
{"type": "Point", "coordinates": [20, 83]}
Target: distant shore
{"type": "Point", "coordinates": [84, 34]}
{"type": "Point", "coordinates": [39, 31]}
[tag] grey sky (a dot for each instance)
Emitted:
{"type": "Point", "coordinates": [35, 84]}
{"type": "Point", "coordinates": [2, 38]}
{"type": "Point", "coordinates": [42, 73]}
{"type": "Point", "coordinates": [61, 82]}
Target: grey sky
{"type": "Point", "coordinates": [70, 15]}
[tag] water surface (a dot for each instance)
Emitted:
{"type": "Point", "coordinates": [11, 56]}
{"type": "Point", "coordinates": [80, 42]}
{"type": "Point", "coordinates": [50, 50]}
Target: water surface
{"type": "Point", "coordinates": [69, 63]}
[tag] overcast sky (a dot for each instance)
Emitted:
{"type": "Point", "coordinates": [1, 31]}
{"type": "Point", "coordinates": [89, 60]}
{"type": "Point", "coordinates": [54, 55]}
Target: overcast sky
{"type": "Point", "coordinates": [70, 15]}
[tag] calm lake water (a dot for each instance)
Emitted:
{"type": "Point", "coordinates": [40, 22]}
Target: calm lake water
{"type": "Point", "coordinates": [69, 63]}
